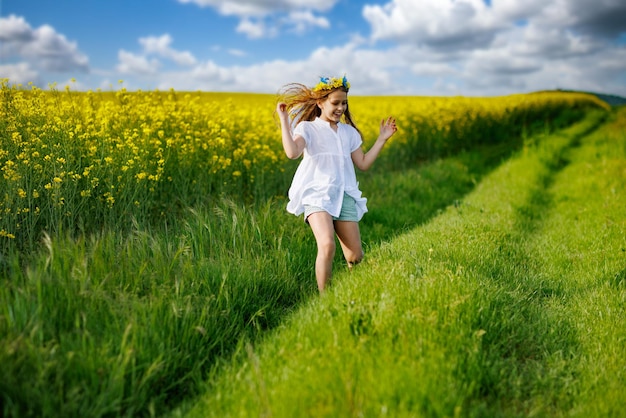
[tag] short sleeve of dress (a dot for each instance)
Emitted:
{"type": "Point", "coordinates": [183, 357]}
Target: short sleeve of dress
{"type": "Point", "coordinates": [355, 140]}
{"type": "Point", "coordinates": [301, 130]}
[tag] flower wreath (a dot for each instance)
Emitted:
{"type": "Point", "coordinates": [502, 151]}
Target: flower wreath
{"type": "Point", "coordinates": [329, 83]}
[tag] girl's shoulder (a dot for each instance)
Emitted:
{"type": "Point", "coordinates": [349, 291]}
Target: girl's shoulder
{"type": "Point", "coordinates": [303, 124]}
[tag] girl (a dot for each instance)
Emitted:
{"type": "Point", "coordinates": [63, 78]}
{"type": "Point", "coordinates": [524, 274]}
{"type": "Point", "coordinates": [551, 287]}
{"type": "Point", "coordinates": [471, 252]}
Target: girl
{"type": "Point", "coordinates": [324, 186]}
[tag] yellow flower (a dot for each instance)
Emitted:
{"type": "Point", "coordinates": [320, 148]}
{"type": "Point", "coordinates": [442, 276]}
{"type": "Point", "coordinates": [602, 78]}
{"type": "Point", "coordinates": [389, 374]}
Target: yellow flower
{"type": "Point", "coordinates": [109, 198]}
{"type": "Point", "coordinates": [21, 193]}
{"type": "Point", "coordinates": [6, 234]}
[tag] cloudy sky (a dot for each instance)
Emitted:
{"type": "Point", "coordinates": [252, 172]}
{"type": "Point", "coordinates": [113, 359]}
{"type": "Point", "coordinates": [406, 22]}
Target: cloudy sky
{"type": "Point", "coordinates": [389, 47]}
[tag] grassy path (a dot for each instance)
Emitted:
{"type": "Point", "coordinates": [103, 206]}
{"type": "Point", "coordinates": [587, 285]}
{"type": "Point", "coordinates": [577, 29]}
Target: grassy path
{"type": "Point", "coordinates": [512, 302]}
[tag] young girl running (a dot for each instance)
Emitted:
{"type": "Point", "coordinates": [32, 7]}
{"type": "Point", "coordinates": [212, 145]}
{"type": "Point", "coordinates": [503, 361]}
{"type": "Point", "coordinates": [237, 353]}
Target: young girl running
{"type": "Point", "coordinates": [324, 186]}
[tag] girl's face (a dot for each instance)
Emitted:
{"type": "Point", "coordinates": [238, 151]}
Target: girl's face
{"type": "Point", "coordinates": [333, 106]}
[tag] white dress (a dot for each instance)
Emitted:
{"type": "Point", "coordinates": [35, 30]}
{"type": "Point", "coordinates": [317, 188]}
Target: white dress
{"type": "Point", "coordinates": [326, 171]}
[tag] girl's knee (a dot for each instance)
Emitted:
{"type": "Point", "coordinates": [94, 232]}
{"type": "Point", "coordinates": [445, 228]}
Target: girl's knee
{"type": "Point", "coordinates": [355, 258]}
{"type": "Point", "coordinates": [326, 248]}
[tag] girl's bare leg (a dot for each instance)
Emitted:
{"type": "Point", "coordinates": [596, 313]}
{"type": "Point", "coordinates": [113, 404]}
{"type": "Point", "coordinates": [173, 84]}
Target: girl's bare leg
{"type": "Point", "coordinates": [350, 240]}
{"type": "Point", "coordinates": [324, 231]}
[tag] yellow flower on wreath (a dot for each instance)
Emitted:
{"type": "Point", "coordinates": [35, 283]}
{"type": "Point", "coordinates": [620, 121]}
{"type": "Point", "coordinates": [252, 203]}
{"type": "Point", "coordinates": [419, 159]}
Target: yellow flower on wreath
{"type": "Point", "coordinates": [329, 83]}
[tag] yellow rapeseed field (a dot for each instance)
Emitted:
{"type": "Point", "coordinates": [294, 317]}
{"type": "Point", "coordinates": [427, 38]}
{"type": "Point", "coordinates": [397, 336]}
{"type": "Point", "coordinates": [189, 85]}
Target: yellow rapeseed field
{"type": "Point", "coordinates": [77, 161]}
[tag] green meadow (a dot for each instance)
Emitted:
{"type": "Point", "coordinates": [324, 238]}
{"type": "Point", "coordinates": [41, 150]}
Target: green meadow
{"type": "Point", "coordinates": [494, 285]}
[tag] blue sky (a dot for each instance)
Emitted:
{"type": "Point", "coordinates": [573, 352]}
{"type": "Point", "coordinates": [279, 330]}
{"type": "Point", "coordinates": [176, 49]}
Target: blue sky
{"type": "Point", "coordinates": [415, 47]}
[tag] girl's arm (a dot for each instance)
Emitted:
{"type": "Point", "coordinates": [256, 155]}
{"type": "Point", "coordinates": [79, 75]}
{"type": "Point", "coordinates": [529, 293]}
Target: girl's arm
{"type": "Point", "coordinates": [293, 146]}
{"type": "Point", "coordinates": [364, 160]}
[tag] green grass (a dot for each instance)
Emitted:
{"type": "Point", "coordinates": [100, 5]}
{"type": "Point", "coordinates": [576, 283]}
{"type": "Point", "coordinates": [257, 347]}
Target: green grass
{"type": "Point", "coordinates": [509, 303]}
{"type": "Point", "coordinates": [479, 296]}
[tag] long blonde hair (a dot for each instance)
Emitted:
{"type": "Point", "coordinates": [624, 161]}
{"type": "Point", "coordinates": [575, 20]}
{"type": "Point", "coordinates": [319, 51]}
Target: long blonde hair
{"type": "Point", "coordinates": [301, 102]}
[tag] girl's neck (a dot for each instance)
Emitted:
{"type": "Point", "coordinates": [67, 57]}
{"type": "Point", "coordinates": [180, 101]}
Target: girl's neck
{"type": "Point", "coordinates": [332, 123]}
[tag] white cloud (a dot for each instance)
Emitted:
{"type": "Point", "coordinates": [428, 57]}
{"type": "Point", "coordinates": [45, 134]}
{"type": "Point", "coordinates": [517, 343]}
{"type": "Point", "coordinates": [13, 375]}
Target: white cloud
{"type": "Point", "coordinates": [515, 10]}
{"type": "Point", "coordinates": [575, 25]}
{"type": "Point", "coordinates": [130, 63]}
{"type": "Point", "coordinates": [15, 29]}
{"type": "Point", "coordinates": [598, 18]}
{"type": "Point", "coordinates": [147, 62]}
{"type": "Point", "coordinates": [549, 43]}
{"type": "Point", "coordinates": [433, 69]}
{"type": "Point", "coordinates": [297, 21]}
{"type": "Point", "coordinates": [203, 75]}
{"type": "Point", "coordinates": [245, 8]}
{"type": "Point", "coordinates": [161, 46]}
{"type": "Point", "coordinates": [264, 19]}
{"type": "Point", "coordinates": [255, 29]}
{"type": "Point", "coordinates": [437, 23]}
{"type": "Point", "coordinates": [43, 48]}
{"type": "Point", "coordinates": [20, 73]}
{"type": "Point", "coordinates": [303, 20]}
{"type": "Point", "coordinates": [509, 46]}
{"type": "Point", "coordinates": [212, 73]}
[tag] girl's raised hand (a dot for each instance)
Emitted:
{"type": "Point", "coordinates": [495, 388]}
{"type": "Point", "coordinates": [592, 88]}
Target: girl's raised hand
{"type": "Point", "coordinates": [281, 109]}
{"type": "Point", "coordinates": [387, 128]}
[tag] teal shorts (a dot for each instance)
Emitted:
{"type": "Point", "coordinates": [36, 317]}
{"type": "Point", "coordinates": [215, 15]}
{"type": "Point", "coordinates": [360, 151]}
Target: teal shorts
{"type": "Point", "coordinates": [348, 210]}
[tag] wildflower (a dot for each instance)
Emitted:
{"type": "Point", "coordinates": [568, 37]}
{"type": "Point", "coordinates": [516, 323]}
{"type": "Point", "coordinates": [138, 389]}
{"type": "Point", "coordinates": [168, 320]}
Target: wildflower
{"type": "Point", "coordinates": [6, 234]}
{"type": "Point", "coordinates": [109, 198]}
